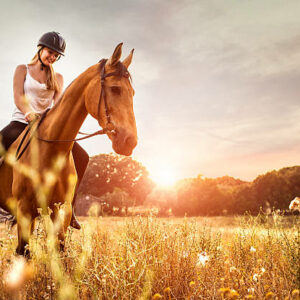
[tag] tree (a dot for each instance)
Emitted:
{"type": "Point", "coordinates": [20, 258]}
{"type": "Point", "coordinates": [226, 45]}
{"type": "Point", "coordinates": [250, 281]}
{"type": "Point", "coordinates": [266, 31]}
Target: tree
{"type": "Point", "coordinates": [106, 172]}
{"type": "Point", "coordinates": [199, 197]}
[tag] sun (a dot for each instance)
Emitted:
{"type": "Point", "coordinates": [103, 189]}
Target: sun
{"type": "Point", "coordinates": [163, 177]}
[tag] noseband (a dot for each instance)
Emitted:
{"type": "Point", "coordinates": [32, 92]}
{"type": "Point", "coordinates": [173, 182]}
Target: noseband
{"type": "Point", "coordinates": [109, 127]}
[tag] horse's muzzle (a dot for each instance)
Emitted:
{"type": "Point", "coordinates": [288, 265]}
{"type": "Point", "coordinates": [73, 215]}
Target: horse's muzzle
{"type": "Point", "coordinates": [123, 142]}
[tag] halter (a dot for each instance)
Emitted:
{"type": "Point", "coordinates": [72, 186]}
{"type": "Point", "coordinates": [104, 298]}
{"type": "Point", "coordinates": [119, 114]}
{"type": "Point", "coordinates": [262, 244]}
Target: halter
{"type": "Point", "coordinates": [109, 128]}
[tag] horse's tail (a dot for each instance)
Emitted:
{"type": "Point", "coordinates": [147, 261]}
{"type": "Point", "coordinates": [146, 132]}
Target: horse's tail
{"type": "Point", "coordinates": [8, 218]}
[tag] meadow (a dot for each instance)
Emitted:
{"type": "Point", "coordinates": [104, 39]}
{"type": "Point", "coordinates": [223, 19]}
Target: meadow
{"type": "Point", "coordinates": [158, 258]}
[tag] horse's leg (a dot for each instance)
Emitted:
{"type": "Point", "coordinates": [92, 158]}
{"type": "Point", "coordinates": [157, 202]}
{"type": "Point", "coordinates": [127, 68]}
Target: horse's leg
{"type": "Point", "coordinates": [25, 222]}
{"type": "Point", "coordinates": [81, 160]}
{"type": "Point", "coordinates": [61, 219]}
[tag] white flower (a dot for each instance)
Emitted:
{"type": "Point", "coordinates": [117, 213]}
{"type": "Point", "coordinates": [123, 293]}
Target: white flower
{"type": "Point", "coordinates": [15, 276]}
{"type": "Point", "coordinates": [295, 204]}
{"type": "Point", "coordinates": [202, 258]}
{"type": "Point", "coordinates": [255, 277]}
{"type": "Point", "coordinates": [185, 254]}
{"type": "Point", "coordinates": [263, 270]}
{"type": "Point", "coordinates": [252, 249]}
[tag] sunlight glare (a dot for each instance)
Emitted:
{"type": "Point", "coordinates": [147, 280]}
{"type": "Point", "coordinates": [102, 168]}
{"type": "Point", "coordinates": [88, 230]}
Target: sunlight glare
{"type": "Point", "coordinates": [163, 177]}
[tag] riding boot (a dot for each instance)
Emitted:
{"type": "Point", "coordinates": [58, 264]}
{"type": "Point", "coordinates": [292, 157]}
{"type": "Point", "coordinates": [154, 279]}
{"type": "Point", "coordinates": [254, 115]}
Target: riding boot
{"type": "Point", "coordinates": [74, 222]}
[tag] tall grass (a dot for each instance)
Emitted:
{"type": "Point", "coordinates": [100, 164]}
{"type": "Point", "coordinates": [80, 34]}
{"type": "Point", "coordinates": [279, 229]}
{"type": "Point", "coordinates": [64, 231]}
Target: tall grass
{"type": "Point", "coordinates": [144, 258]}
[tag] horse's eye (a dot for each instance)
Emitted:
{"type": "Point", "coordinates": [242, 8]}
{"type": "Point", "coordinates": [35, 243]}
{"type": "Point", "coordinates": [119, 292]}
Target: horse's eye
{"type": "Point", "coordinates": [116, 90]}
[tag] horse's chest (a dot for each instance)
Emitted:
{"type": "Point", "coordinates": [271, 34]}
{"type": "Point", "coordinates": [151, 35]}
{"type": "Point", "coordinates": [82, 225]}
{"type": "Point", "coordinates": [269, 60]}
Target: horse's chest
{"type": "Point", "coordinates": [52, 186]}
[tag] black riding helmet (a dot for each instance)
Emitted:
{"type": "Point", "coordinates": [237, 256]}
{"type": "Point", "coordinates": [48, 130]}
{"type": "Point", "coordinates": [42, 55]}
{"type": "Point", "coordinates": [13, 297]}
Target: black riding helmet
{"type": "Point", "coordinates": [54, 41]}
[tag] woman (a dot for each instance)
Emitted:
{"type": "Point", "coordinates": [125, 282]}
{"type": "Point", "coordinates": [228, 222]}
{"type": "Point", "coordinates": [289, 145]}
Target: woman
{"type": "Point", "coordinates": [36, 88]}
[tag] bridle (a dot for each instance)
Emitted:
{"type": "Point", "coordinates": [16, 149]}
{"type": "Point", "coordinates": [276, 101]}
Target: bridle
{"type": "Point", "coordinates": [108, 129]}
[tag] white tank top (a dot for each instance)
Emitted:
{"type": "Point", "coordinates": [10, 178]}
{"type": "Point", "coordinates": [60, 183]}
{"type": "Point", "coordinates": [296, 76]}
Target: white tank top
{"type": "Point", "coordinates": [40, 98]}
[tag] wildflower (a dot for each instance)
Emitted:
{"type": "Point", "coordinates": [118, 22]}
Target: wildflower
{"type": "Point", "coordinates": [168, 292]}
{"type": "Point", "coordinates": [157, 296]}
{"type": "Point", "coordinates": [185, 254]}
{"type": "Point", "coordinates": [295, 294]}
{"type": "Point", "coordinates": [202, 259]}
{"type": "Point", "coordinates": [295, 204]}
{"type": "Point", "coordinates": [252, 249]}
{"type": "Point", "coordinates": [232, 269]}
{"type": "Point", "coordinates": [269, 295]}
{"type": "Point", "coordinates": [224, 291]}
{"type": "Point", "coordinates": [263, 270]}
{"type": "Point", "coordinates": [18, 274]}
{"type": "Point", "coordinates": [266, 287]}
{"type": "Point", "coordinates": [192, 284]}
{"type": "Point", "coordinates": [255, 277]}
{"type": "Point", "coordinates": [234, 294]}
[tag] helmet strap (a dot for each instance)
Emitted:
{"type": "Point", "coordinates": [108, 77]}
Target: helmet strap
{"type": "Point", "coordinates": [42, 64]}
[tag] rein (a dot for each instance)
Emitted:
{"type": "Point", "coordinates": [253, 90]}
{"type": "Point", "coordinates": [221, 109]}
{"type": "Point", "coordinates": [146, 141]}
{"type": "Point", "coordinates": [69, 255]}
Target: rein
{"type": "Point", "coordinates": [110, 128]}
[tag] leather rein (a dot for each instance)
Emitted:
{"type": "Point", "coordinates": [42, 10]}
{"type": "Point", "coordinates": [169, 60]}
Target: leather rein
{"type": "Point", "coordinates": [110, 128]}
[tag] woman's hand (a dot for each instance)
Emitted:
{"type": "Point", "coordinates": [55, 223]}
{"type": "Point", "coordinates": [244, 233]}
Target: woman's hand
{"type": "Point", "coordinates": [31, 116]}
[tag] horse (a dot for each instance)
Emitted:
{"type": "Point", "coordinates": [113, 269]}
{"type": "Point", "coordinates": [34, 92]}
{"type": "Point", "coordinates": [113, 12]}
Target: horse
{"type": "Point", "coordinates": [105, 92]}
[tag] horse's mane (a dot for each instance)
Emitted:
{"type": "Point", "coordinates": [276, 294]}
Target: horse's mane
{"type": "Point", "coordinates": [121, 71]}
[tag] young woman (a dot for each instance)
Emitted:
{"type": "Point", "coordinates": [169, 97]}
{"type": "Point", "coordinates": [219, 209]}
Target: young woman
{"type": "Point", "coordinates": [36, 88]}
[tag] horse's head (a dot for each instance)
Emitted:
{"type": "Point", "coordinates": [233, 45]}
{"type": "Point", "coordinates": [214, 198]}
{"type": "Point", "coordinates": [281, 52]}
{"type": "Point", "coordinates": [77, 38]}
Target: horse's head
{"type": "Point", "coordinates": [110, 101]}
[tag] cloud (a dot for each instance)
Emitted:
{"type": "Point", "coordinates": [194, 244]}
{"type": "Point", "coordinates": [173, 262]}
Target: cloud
{"type": "Point", "coordinates": [213, 79]}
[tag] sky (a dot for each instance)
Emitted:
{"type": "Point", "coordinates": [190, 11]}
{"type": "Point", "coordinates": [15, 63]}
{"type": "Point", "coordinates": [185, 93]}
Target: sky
{"type": "Point", "coordinates": [216, 82]}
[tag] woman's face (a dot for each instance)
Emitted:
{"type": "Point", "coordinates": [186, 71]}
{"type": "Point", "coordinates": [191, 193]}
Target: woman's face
{"type": "Point", "coordinates": [49, 56]}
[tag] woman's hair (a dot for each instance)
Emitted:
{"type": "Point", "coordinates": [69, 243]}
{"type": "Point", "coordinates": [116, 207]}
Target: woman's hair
{"type": "Point", "coordinates": [51, 78]}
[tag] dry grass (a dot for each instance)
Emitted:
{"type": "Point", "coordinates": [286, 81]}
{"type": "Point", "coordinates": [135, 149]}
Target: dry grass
{"type": "Point", "coordinates": [144, 258]}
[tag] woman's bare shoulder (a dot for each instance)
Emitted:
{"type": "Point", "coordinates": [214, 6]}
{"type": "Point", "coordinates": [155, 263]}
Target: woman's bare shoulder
{"type": "Point", "coordinates": [59, 76]}
{"type": "Point", "coordinates": [21, 70]}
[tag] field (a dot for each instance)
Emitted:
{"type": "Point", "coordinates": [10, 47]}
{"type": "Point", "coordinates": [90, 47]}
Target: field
{"type": "Point", "coordinates": [152, 258]}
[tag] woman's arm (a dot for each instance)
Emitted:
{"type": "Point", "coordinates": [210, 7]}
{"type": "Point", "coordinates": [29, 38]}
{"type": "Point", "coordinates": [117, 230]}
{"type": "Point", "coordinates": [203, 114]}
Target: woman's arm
{"type": "Point", "coordinates": [19, 97]}
{"type": "Point", "coordinates": [18, 86]}
{"type": "Point", "coordinates": [60, 81]}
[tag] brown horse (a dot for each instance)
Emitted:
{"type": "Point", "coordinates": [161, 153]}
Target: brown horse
{"type": "Point", "coordinates": [27, 185]}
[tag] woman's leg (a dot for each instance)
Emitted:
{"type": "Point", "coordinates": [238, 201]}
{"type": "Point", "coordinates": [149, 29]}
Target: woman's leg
{"type": "Point", "coordinates": [7, 136]}
{"type": "Point", "coordinates": [10, 133]}
{"type": "Point", "coordinates": [81, 160]}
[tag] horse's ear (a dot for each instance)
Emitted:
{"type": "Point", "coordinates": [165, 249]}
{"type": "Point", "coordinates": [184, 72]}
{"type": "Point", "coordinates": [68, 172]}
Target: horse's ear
{"type": "Point", "coordinates": [116, 55]}
{"type": "Point", "coordinates": [127, 61]}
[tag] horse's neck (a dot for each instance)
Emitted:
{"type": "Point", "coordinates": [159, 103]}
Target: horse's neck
{"type": "Point", "coordinates": [65, 119]}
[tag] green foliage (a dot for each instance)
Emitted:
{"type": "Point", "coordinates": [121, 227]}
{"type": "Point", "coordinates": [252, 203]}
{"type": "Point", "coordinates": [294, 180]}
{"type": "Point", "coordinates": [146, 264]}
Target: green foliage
{"type": "Point", "coordinates": [198, 197]}
{"type": "Point", "coordinates": [106, 172]}
{"type": "Point", "coordinates": [227, 195]}
{"type": "Point", "coordinates": [110, 175]}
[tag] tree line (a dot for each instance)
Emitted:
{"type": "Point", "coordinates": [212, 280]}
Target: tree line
{"type": "Point", "coordinates": [116, 183]}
